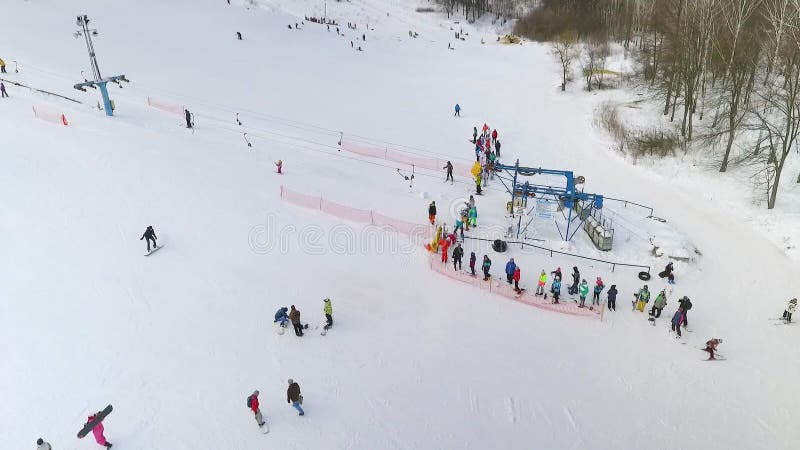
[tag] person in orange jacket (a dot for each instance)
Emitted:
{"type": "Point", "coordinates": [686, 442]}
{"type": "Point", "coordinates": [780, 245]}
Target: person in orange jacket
{"type": "Point", "coordinates": [517, 274]}
{"type": "Point", "coordinates": [444, 244]}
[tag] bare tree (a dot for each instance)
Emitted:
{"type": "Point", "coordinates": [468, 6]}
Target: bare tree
{"type": "Point", "coordinates": [566, 50]}
{"type": "Point", "coordinates": [595, 52]}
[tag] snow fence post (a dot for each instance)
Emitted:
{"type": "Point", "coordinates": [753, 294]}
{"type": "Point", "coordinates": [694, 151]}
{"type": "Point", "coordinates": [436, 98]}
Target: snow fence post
{"type": "Point", "coordinates": [602, 311]}
{"type": "Point", "coordinates": [371, 218]}
{"type": "Point", "coordinates": [281, 191]}
{"type": "Point", "coordinates": [320, 203]}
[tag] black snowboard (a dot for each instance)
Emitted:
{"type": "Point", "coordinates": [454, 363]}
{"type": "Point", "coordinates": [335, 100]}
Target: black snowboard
{"type": "Point", "coordinates": [98, 418]}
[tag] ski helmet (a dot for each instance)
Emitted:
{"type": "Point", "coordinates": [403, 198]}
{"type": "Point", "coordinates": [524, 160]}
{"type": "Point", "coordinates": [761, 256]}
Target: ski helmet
{"type": "Point", "coordinates": [291, 381]}
{"type": "Point", "coordinates": [794, 300]}
{"type": "Point", "coordinates": [326, 300]}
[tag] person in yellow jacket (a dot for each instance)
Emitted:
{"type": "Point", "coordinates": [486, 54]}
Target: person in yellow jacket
{"type": "Point", "coordinates": [328, 314]}
{"type": "Point", "coordinates": [2, 66]}
{"type": "Point", "coordinates": [542, 283]}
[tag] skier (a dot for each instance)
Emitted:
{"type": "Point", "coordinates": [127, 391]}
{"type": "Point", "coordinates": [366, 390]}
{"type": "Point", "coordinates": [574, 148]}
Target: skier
{"type": "Point", "coordinates": [542, 283]}
{"type": "Point", "coordinates": [239, 35]}
{"type": "Point", "coordinates": [3, 92]}
{"type": "Point", "coordinates": [3, 70]}
{"type": "Point", "coordinates": [677, 318]}
{"type": "Point", "coordinates": [576, 279]}
{"type": "Point", "coordinates": [293, 396]}
{"type": "Point", "coordinates": [787, 313]}
{"type": "Point", "coordinates": [432, 212]}
{"type": "Point", "coordinates": [472, 259]}
{"type": "Point", "coordinates": [188, 118]}
{"type": "Point", "coordinates": [510, 267]}
{"type": "Point", "coordinates": [471, 202]}
{"type": "Point", "coordinates": [497, 148]}
{"type": "Point", "coordinates": [556, 290]}
{"type": "Point", "coordinates": [458, 111]}
{"type": "Point", "coordinates": [516, 277]}
{"type": "Point", "coordinates": [444, 244]}
{"type": "Point", "coordinates": [281, 316]}
{"type": "Point", "coordinates": [328, 314]}
{"type": "Point", "coordinates": [294, 316]}
{"type": "Point", "coordinates": [583, 291]}
{"type": "Point", "coordinates": [449, 168]}
{"type": "Point", "coordinates": [612, 297]}
{"type": "Point", "coordinates": [494, 135]}
{"type": "Point", "coordinates": [458, 253]}
{"type": "Point", "coordinates": [686, 304]}
{"type": "Point", "coordinates": [42, 445]}
{"type": "Point", "coordinates": [150, 235]}
{"type": "Point", "coordinates": [473, 214]}
{"type": "Point", "coordinates": [642, 298]}
{"type": "Point", "coordinates": [279, 165]}
{"type": "Point", "coordinates": [711, 347]}
{"type": "Point", "coordinates": [598, 288]}
{"type": "Point", "coordinates": [252, 403]}
{"type": "Point", "coordinates": [487, 264]}
{"type": "Point", "coordinates": [98, 432]}
{"type": "Point", "coordinates": [474, 135]}
{"type": "Point", "coordinates": [659, 304]}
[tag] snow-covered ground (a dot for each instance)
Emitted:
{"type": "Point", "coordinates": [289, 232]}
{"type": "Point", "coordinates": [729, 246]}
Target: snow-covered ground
{"type": "Point", "coordinates": [176, 341]}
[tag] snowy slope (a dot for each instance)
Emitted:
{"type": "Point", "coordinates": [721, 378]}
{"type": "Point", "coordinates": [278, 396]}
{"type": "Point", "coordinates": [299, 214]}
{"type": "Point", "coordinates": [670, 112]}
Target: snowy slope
{"type": "Point", "coordinates": [176, 341]}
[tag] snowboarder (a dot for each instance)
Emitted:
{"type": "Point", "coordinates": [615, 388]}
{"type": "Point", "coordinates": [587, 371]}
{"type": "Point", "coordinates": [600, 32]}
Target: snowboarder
{"type": "Point", "coordinates": [576, 279]}
{"type": "Point", "coordinates": [542, 282]}
{"type": "Point", "coordinates": [239, 35]}
{"type": "Point", "coordinates": [598, 288]}
{"type": "Point", "coordinates": [497, 148]}
{"type": "Point", "coordinates": [3, 92]}
{"type": "Point", "coordinates": [473, 214]}
{"type": "Point", "coordinates": [432, 212]}
{"type": "Point", "coordinates": [42, 445]}
{"type": "Point", "coordinates": [449, 168]}
{"type": "Point", "coordinates": [612, 297]}
{"type": "Point", "coordinates": [472, 259]}
{"type": "Point", "coordinates": [281, 317]}
{"type": "Point", "coordinates": [294, 316]}
{"type": "Point", "coordinates": [458, 111]}
{"type": "Point", "coordinates": [458, 253]}
{"type": "Point", "coordinates": [487, 264]}
{"type": "Point", "coordinates": [328, 310]}
{"type": "Point", "coordinates": [98, 432]}
{"type": "Point", "coordinates": [659, 304]}
{"type": "Point", "coordinates": [510, 267]}
{"type": "Point", "coordinates": [474, 135]}
{"type": "Point", "coordinates": [686, 304]}
{"type": "Point", "coordinates": [471, 202]}
{"type": "Point", "coordinates": [642, 298]}
{"type": "Point", "coordinates": [516, 276]}
{"type": "Point", "coordinates": [252, 403]}
{"type": "Point", "coordinates": [150, 235]}
{"type": "Point", "coordinates": [667, 273]}
{"type": "Point", "coordinates": [711, 347]}
{"type": "Point", "coordinates": [459, 227]}
{"type": "Point", "coordinates": [279, 165]}
{"type": "Point", "coordinates": [583, 291]}
{"type": "Point", "coordinates": [189, 120]}
{"type": "Point", "coordinates": [787, 313]}
{"type": "Point", "coordinates": [293, 396]}
{"type": "Point", "coordinates": [556, 290]}
{"type": "Point", "coordinates": [677, 318]}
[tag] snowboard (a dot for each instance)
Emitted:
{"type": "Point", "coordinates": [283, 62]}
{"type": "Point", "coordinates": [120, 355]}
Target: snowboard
{"type": "Point", "coordinates": [264, 428]}
{"type": "Point", "coordinates": [99, 418]}
{"type": "Point", "coordinates": [280, 329]}
{"type": "Point", "coordinates": [783, 322]}
{"type": "Point", "coordinates": [155, 249]}
{"type": "Point", "coordinates": [324, 330]}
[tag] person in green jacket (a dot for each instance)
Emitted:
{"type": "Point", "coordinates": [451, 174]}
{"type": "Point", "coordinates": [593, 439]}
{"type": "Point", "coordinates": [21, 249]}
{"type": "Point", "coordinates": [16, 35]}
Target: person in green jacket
{"type": "Point", "coordinates": [328, 314]}
{"type": "Point", "coordinates": [642, 298]}
{"type": "Point", "coordinates": [659, 304]}
{"type": "Point", "coordinates": [583, 291]}
{"type": "Point", "coordinates": [487, 264]}
{"type": "Point", "coordinates": [473, 216]}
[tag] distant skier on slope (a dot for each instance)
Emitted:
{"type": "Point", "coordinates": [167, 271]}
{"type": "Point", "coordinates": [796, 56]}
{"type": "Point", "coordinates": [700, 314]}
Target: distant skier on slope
{"type": "Point", "coordinates": [281, 316]}
{"type": "Point", "coordinates": [3, 92]}
{"type": "Point", "coordinates": [487, 264]}
{"type": "Point", "coordinates": [328, 310]}
{"type": "Point", "coordinates": [612, 297]}
{"type": "Point", "coordinates": [449, 168]}
{"type": "Point", "coordinates": [279, 166]}
{"type": "Point", "coordinates": [150, 235]}
{"type": "Point", "coordinates": [711, 347]}
{"type": "Point", "coordinates": [787, 313]}
{"type": "Point", "coordinates": [294, 397]}
{"type": "Point", "coordinates": [472, 260]}
{"type": "Point", "coordinates": [497, 148]}
{"type": "Point", "coordinates": [252, 403]}
{"type": "Point", "coordinates": [474, 135]}
{"type": "Point", "coordinates": [458, 253]}
{"type": "Point", "coordinates": [458, 111]}
{"type": "Point", "coordinates": [432, 212]}
{"type": "Point", "coordinates": [494, 135]}
{"type": "Point", "coordinates": [188, 116]}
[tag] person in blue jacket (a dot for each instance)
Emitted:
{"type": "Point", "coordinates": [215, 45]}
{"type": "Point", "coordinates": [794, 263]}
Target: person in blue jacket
{"type": "Point", "coordinates": [458, 111]}
{"type": "Point", "coordinates": [510, 267]}
{"type": "Point", "coordinates": [281, 316]}
{"type": "Point", "coordinates": [556, 289]}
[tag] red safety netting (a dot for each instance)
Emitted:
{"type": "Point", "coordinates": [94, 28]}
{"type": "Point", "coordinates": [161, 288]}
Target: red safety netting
{"type": "Point", "coordinates": [49, 115]}
{"type": "Point", "coordinates": [299, 199]}
{"type": "Point", "coordinates": [165, 105]}
{"type": "Point", "coordinates": [346, 212]}
{"type": "Point", "coordinates": [403, 157]}
{"type": "Point", "coordinates": [501, 288]}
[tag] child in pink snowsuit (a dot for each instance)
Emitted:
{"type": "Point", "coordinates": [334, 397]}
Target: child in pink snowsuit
{"type": "Point", "coordinates": [279, 165]}
{"type": "Point", "coordinates": [98, 433]}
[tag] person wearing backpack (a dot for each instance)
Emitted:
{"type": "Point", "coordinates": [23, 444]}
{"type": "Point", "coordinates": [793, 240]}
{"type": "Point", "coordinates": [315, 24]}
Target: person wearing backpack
{"type": "Point", "coordinates": [252, 403]}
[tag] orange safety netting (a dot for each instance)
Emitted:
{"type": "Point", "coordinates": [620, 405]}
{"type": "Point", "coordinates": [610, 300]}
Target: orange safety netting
{"type": "Point", "coordinates": [165, 105]}
{"type": "Point", "coordinates": [399, 156]}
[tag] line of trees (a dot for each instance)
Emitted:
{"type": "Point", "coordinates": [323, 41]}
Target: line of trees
{"type": "Point", "coordinates": [473, 9]}
{"type": "Point", "coordinates": [727, 71]}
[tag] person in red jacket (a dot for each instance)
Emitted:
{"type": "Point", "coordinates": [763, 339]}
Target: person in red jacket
{"type": "Point", "coordinates": [494, 135]}
{"type": "Point", "coordinates": [99, 432]}
{"type": "Point", "coordinates": [252, 402]}
{"type": "Point", "coordinates": [517, 274]}
{"type": "Point", "coordinates": [444, 244]}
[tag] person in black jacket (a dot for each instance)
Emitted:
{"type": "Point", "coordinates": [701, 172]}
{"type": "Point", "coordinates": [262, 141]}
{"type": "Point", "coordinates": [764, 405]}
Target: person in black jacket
{"type": "Point", "coordinates": [576, 279]}
{"type": "Point", "coordinates": [432, 212]}
{"type": "Point", "coordinates": [686, 305]}
{"type": "Point", "coordinates": [449, 168]}
{"type": "Point", "coordinates": [150, 235]}
{"type": "Point", "coordinates": [293, 396]}
{"type": "Point", "coordinates": [497, 148]}
{"type": "Point", "coordinates": [188, 118]}
{"type": "Point", "coordinates": [612, 298]}
{"type": "Point", "coordinates": [458, 253]}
